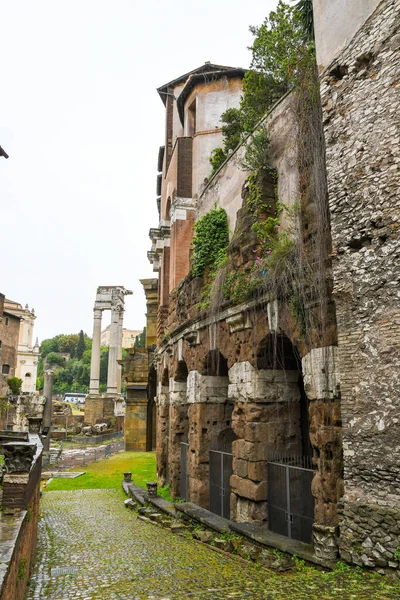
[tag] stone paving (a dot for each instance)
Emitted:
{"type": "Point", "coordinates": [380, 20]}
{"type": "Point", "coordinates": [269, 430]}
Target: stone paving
{"type": "Point", "coordinates": [91, 547]}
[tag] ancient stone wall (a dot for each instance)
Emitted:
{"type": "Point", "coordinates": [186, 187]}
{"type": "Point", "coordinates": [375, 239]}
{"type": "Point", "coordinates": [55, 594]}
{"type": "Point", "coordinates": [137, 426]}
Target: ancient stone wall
{"type": "Point", "coordinates": [361, 107]}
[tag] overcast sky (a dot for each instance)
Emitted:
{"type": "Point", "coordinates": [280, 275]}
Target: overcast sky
{"type": "Point", "coordinates": [82, 123]}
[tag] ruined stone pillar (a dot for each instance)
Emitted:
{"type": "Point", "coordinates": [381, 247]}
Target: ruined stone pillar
{"type": "Point", "coordinates": [208, 414]}
{"type": "Point", "coordinates": [47, 412]}
{"type": "Point", "coordinates": [178, 429]}
{"type": "Point", "coordinates": [322, 386]}
{"type": "Point", "coordinates": [162, 433]}
{"type": "Point", "coordinates": [136, 374]}
{"type": "Point", "coordinates": [266, 419]}
{"type": "Point", "coordinates": [113, 353]}
{"type": "Point", "coordinates": [119, 351]}
{"type": "Point", "coordinates": [95, 362]}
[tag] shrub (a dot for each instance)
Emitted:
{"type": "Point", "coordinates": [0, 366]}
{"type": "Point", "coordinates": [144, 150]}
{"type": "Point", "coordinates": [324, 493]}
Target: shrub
{"type": "Point", "coordinates": [15, 385]}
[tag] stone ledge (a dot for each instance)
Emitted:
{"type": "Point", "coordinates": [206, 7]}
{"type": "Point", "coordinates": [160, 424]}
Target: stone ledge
{"type": "Point", "coordinates": [265, 537]}
{"type": "Point", "coordinates": [204, 516]}
{"type": "Point", "coordinates": [163, 505]}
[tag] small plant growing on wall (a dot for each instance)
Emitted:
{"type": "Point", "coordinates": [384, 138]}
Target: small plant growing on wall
{"type": "Point", "coordinates": [15, 385]}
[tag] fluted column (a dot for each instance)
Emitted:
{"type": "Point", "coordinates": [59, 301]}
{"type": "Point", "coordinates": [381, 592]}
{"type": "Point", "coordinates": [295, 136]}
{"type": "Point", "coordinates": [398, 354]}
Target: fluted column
{"type": "Point", "coordinates": [113, 353]}
{"type": "Point", "coordinates": [119, 351]}
{"type": "Point", "coordinates": [95, 362]}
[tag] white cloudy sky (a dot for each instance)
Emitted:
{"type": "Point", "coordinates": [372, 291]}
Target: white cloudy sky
{"type": "Point", "coordinates": [82, 123]}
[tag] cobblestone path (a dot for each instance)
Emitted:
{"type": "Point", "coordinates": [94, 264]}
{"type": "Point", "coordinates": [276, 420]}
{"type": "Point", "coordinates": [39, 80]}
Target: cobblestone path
{"type": "Point", "coordinates": [110, 554]}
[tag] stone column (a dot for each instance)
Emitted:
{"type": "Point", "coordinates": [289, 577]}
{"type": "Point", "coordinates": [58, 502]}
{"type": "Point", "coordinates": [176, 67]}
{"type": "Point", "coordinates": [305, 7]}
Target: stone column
{"type": "Point", "coordinates": [178, 429]}
{"type": "Point", "coordinates": [266, 419]}
{"type": "Point", "coordinates": [95, 363]}
{"type": "Point", "coordinates": [208, 414]}
{"type": "Point", "coordinates": [48, 407]}
{"type": "Point", "coordinates": [113, 353]}
{"type": "Point", "coordinates": [119, 351]}
{"type": "Point", "coordinates": [162, 433]}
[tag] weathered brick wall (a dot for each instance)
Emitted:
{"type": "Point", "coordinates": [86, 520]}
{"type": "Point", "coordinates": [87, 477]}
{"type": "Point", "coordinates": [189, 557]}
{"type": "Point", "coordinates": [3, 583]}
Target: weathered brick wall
{"type": "Point", "coordinates": [18, 563]}
{"type": "Point", "coordinates": [361, 107]}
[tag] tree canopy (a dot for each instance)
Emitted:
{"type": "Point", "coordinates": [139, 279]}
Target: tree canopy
{"type": "Point", "coordinates": [278, 43]}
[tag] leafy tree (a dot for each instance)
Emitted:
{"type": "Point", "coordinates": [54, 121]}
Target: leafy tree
{"type": "Point", "coordinates": [48, 346]}
{"type": "Point", "coordinates": [55, 359]}
{"type": "Point", "coordinates": [15, 385]}
{"type": "Point", "coordinates": [80, 348]}
{"type": "Point", "coordinates": [277, 45]}
{"type": "Point", "coordinates": [72, 374]}
{"type": "Point", "coordinates": [304, 9]}
{"type": "Point", "coordinates": [217, 158]}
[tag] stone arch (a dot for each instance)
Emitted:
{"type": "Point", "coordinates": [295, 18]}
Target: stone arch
{"type": "Point", "coordinates": [215, 364]}
{"type": "Point", "coordinates": [276, 351]}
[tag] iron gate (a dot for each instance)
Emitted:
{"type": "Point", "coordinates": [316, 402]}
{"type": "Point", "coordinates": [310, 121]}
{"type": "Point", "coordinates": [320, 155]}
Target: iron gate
{"type": "Point", "coordinates": [184, 483]}
{"type": "Point", "coordinates": [290, 501]}
{"type": "Point", "coordinates": [166, 460]}
{"type": "Point", "coordinates": [220, 488]}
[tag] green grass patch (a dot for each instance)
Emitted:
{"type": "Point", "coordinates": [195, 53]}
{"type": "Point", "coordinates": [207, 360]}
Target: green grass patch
{"type": "Point", "coordinates": [108, 473]}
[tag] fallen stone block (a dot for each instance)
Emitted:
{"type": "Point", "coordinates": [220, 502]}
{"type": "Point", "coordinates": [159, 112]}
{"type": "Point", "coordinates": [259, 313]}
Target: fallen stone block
{"type": "Point", "coordinates": [178, 527]}
{"type": "Point", "coordinates": [270, 560]}
{"type": "Point", "coordinates": [157, 517]}
{"type": "Point", "coordinates": [249, 551]}
{"type": "Point", "coordinates": [222, 544]}
{"type": "Point", "coordinates": [130, 504]}
{"type": "Point", "coordinates": [203, 535]}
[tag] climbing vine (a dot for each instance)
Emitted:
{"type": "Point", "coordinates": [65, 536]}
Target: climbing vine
{"type": "Point", "coordinates": [210, 241]}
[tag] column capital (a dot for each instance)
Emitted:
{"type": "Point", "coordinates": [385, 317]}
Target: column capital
{"type": "Point", "coordinates": [97, 313]}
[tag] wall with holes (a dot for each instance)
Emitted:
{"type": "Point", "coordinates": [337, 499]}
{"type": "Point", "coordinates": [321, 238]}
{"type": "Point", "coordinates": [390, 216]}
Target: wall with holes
{"type": "Point", "coordinates": [361, 107]}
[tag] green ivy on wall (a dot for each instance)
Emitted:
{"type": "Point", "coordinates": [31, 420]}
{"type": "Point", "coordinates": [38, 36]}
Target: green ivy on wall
{"type": "Point", "coordinates": [210, 241]}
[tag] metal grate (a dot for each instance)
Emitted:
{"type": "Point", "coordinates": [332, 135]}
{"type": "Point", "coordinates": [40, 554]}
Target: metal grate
{"type": "Point", "coordinates": [57, 571]}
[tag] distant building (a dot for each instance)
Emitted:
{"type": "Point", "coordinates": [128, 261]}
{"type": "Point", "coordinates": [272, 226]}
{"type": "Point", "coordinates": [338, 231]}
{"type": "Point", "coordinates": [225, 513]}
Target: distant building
{"type": "Point", "coordinates": [128, 337]}
{"type": "Point", "coordinates": [9, 336]}
{"type": "Point", "coordinates": [27, 352]}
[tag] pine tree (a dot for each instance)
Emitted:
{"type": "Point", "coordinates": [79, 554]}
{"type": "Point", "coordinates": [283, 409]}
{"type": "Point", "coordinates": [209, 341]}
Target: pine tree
{"type": "Point", "coordinates": [80, 349]}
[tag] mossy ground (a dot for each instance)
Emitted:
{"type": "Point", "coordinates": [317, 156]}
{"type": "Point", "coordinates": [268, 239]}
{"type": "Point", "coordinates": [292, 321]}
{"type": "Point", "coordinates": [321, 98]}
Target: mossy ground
{"type": "Point", "coordinates": [109, 473]}
{"type": "Point", "coordinates": [137, 560]}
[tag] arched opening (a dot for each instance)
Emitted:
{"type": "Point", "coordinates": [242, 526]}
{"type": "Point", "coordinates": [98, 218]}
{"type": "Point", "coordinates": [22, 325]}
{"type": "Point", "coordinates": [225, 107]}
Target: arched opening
{"type": "Point", "coordinates": [215, 364]}
{"type": "Point", "coordinates": [210, 413]}
{"type": "Point", "coordinates": [277, 353]}
{"type": "Point", "coordinates": [289, 470]}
